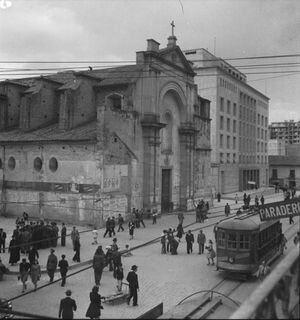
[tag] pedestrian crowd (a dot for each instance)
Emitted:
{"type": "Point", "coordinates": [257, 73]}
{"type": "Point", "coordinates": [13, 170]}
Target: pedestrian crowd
{"type": "Point", "coordinates": [28, 236]}
{"type": "Point", "coordinates": [202, 209]}
{"type": "Point", "coordinates": [170, 242]}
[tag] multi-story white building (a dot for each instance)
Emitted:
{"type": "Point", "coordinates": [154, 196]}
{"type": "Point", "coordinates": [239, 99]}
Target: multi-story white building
{"type": "Point", "coordinates": [287, 131]}
{"type": "Point", "coordinates": [239, 126]}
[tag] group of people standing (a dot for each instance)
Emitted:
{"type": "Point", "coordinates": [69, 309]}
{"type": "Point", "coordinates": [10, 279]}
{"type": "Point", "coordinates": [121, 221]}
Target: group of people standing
{"type": "Point", "coordinates": [169, 243]}
{"type": "Point", "coordinates": [201, 211]}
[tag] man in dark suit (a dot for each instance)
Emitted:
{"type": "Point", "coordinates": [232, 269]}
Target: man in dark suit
{"type": "Point", "coordinates": [189, 238]}
{"type": "Point", "coordinates": [132, 279]}
{"type": "Point", "coordinates": [2, 240]}
{"type": "Point", "coordinates": [67, 306]}
{"type": "Point", "coordinates": [63, 234]}
{"type": "Point", "coordinates": [63, 268]}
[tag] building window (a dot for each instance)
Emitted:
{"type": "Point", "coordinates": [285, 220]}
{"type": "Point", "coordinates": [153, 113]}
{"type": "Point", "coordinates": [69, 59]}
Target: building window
{"type": "Point", "coordinates": [37, 164]}
{"type": "Point", "coordinates": [234, 126]}
{"type": "Point", "coordinates": [234, 142]}
{"type": "Point", "coordinates": [258, 119]}
{"type": "Point", "coordinates": [221, 122]}
{"type": "Point", "coordinates": [115, 101]}
{"type": "Point", "coordinates": [228, 157]}
{"type": "Point", "coordinates": [222, 104]}
{"type": "Point", "coordinates": [1, 165]}
{"type": "Point", "coordinates": [221, 141]}
{"type": "Point", "coordinates": [266, 121]}
{"type": "Point", "coordinates": [228, 142]}
{"type": "Point", "coordinates": [228, 107]}
{"type": "Point", "coordinates": [274, 173]}
{"type": "Point", "coordinates": [221, 157]}
{"type": "Point", "coordinates": [234, 158]}
{"type": "Point", "coordinates": [11, 163]}
{"type": "Point", "coordinates": [258, 133]}
{"type": "Point", "coordinates": [228, 124]}
{"type": "Point", "coordinates": [53, 164]}
{"type": "Point", "coordinates": [234, 109]}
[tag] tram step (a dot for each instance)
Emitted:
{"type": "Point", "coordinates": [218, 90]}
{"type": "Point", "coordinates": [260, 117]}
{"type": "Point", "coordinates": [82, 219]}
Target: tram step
{"type": "Point", "coordinates": [207, 309]}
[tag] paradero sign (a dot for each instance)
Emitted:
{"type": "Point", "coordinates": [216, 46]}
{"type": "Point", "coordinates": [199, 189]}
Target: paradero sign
{"type": "Point", "coordinates": [279, 210]}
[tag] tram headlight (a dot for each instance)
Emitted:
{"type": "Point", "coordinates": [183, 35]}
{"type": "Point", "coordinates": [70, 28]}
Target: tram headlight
{"type": "Point", "coordinates": [231, 260]}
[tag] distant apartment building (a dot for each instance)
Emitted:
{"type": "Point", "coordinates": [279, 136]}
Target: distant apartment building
{"type": "Point", "coordinates": [288, 131]}
{"type": "Point", "coordinates": [239, 126]}
{"type": "Point", "coordinates": [276, 147]}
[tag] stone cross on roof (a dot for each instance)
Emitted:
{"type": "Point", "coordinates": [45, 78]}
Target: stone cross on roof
{"type": "Point", "coordinates": [173, 26]}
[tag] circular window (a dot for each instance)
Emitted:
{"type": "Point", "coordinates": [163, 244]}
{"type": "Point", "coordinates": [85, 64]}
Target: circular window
{"type": "Point", "coordinates": [38, 163]}
{"type": "Point", "coordinates": [53, 164]}
{"type": "Point", "coordinates": [11, 163]}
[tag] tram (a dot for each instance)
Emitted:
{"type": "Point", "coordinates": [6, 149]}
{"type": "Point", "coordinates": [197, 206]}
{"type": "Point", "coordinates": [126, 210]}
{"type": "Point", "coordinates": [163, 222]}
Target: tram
{"type": "Point", "coordinates": [243, 242]}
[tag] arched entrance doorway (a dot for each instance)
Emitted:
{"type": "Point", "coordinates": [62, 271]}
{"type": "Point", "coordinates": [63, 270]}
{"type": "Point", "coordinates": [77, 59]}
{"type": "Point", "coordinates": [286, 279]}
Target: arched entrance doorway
{"type": "Point", "coordinates": [172, 108]}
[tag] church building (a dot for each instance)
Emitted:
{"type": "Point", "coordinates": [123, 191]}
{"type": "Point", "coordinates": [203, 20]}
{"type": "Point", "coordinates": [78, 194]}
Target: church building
{"type": "Point", "coordinates": [82, 146]}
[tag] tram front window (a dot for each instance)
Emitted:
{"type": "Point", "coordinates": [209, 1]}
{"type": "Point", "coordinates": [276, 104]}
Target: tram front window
{"type": "Point", "coordinates": [221, 239]}
{"type": "Point", "coordinates": [244, 241]}
{"type": "Point", "coordinates": [231, 242]}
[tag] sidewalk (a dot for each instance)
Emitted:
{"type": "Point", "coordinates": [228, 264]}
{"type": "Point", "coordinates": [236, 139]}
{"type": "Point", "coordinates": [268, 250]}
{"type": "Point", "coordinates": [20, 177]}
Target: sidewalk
{"type": "Point", "coordinates": [253, 192]}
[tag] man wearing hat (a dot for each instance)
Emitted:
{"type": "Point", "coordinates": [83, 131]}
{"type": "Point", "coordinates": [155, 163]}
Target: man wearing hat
{"type": "Point", "coordinates": [67, 306]}
{"type": "Point", "coordinates": [132, 279]}
{"type": "Point", "coordinates": [51, 264]}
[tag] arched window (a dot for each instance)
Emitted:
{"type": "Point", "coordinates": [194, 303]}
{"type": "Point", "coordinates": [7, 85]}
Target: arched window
{"type": "Point", "coordinates": [167, 132]}
{"type": "Point", "coordinates": [115, 101]}
{"type": "Point", "coordinates": [37, 164]}
{"type": "Point", "coordinates": [11, 163]}
{"type": "Point", "coordinates": [53, 164]}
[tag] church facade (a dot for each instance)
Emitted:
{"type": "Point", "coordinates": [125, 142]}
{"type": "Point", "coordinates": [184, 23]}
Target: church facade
{"type": "Point", "coordinates": [82, 146]}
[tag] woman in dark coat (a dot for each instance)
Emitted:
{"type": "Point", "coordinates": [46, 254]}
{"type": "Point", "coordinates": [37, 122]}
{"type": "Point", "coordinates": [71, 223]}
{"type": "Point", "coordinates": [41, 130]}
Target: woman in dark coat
{"type": "Point", "coordinates": [180, 231]}
{"type": "Point", "coordinates": [94, 309]}
{"type": "Point", "coordinates": [173, 245]}
{"type": "Point", "coordinates": [14, 250]}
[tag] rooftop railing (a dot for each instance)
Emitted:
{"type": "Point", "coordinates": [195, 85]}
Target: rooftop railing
{"type": "Point", "coordinates": [277, 297]}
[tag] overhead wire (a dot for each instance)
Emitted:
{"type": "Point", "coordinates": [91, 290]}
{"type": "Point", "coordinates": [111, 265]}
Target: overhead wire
{"type": "Point", "coordinates": [132, 61]}
{"type": "Point", "coordinates": [103, 67]}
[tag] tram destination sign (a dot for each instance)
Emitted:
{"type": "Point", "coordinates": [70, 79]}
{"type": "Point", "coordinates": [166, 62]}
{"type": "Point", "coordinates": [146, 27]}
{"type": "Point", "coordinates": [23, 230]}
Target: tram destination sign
{"type": "Point", "coordinates": [279, 210]}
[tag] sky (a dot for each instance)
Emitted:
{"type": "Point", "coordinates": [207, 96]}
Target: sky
{"type": "Point", "coordinates": [111, 30]}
